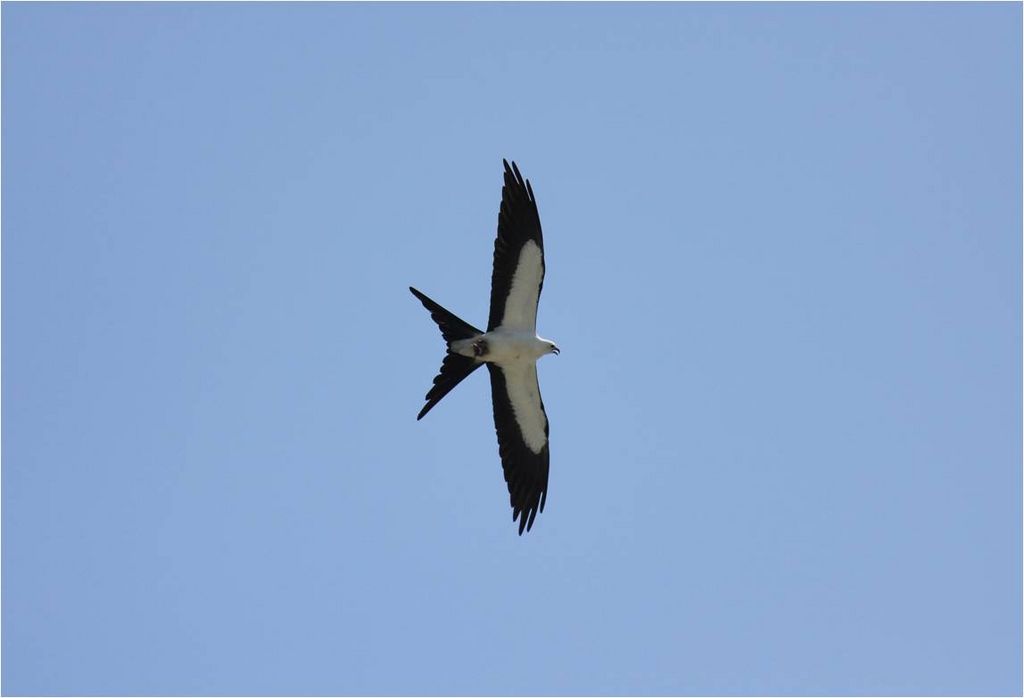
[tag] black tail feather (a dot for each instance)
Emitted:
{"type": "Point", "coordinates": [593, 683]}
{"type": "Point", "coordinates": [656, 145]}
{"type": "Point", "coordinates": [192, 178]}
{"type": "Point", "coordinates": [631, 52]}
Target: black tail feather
{"type": "Point", "coordinates": [452, 326]}
{"type": "Point", "coordinates": [455, 367]}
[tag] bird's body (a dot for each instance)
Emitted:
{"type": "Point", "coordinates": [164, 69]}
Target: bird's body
{"type": "Point", "coordinates": [503, 346]}
{"type": "Point", "coordinates": [509, 348]}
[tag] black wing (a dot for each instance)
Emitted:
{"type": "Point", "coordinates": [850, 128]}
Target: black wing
{"type": "Point", "coordinates": [518, 222]}
{"type": "Point", "coordinates": [526, 471]}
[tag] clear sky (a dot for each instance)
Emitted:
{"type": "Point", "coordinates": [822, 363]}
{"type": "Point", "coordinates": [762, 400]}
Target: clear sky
{"type": "Point", "coordinates": [784, 269]}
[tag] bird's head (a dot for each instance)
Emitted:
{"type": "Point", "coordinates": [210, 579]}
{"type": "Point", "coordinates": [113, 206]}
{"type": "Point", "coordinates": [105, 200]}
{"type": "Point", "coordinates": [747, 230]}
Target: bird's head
{"type": "Point", "coordinates": [543, 346]}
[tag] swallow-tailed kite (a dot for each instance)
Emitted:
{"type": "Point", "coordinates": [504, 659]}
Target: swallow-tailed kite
{"type": "Point", "coordinates": [510, 348]}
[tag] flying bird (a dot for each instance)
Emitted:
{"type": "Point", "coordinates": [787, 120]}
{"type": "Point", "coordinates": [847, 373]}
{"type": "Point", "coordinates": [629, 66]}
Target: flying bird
{"type": "Point", "coordinates": [509, 348]}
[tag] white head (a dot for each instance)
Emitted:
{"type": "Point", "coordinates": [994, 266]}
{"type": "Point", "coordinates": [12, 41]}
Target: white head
{"type": "Point", "coordinates": [549, 346]}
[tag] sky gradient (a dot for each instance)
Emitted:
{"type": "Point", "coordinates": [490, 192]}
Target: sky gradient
{"type": "Point", "coordinates": [784, 269]}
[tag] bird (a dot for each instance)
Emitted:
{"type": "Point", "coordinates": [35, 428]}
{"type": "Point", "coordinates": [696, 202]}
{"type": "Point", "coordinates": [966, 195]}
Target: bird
{"type": "Point", "coordinates": [509, 348]}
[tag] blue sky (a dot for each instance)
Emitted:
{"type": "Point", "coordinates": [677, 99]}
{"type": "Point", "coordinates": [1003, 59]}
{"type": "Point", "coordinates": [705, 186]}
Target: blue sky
{"type": "Point", "coordinates": [784, 269]}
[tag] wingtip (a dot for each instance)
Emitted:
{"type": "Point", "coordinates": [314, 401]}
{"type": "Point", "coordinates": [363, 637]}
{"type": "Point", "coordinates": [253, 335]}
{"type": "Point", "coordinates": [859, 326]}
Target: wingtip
{"type": "Point", "coordinates": [524, 518]}
{"type": "Point", "coordinates": [512, 170]}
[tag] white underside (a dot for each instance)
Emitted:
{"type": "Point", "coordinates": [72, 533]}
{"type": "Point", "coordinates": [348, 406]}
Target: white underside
{"type": "Point", "coordinates": [514, 346]}
{"type": "Point", "coordinates": [521, 304]}
{"type": "Point", "coordinates": [524, 394]}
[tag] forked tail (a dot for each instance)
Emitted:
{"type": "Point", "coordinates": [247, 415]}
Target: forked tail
{"type": "Point", "coordinates": [455, 367]}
